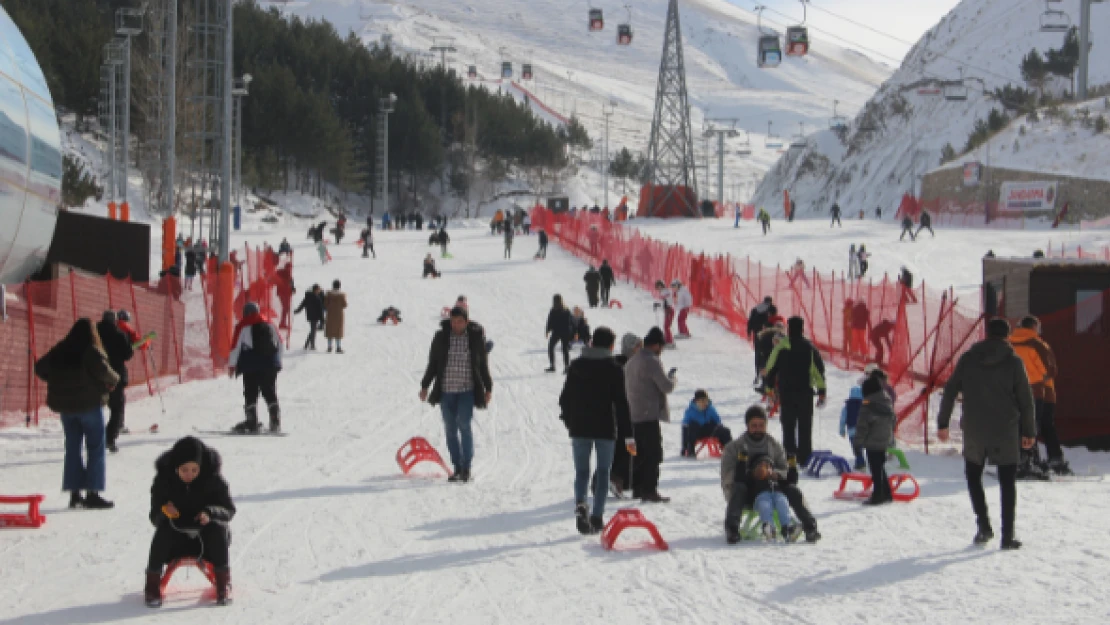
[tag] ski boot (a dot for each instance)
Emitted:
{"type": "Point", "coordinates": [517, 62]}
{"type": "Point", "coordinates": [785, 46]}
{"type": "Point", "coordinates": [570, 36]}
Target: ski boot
{"type": "Point", "coordinates": [250, 425]}
{"type": "Point", "coordinates": [275, 418]}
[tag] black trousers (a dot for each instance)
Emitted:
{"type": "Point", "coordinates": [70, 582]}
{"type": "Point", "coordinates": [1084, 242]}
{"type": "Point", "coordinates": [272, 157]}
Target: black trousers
{"type": "Point", "coordinates": [368, 247]}
{"type": "Point", "coordinates": [117, 403]}
{"type": "Point", "coordinates": [1007, 481]}
{"type": "Point", "coordinates": [169, 544]}
{"type": "Point", "coordinates": [740, 499]}
{"type": "Point", "coordinates": [766, 227]}
{"type": "Point", "coordinates": [691, 434]}
{"type": "Point", "coordinates": [605, 293]}
{"type": "Point", "coordinates": [649, 455]}
{"type": "Point", "coordinates": [551, 349]}
{"type": "Point", "coordinates": [313, 326]}
{"type": "Point", "coordinates": [622, 465]}
{"type": "Point", "coordinates": [836, 220]}
{"type": "Point", "coordinates": [591, 296]}
{"type": "Point", "coordinates": [264, 382]}
{"type": "Point", "coordinates": [929, 228]}
{"type": "Point", "coordinates": [1046, 428]}
{"type": "Point", "coordinates": [909, 231]}
{"type": "Point", "coordinates": [797, 427]}
{"type": "Point", "coordinates": [543, 251]}
{"type": "Point", "coordinates": [880, 484]}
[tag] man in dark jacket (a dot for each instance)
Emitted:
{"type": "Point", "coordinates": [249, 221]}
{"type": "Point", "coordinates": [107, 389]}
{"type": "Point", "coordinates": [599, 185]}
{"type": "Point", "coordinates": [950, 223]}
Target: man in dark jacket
{"type": "Point", "coordinates": [607, 281]}
{"type": "Point", "coordinates": [836, 215]}
{"type": "Point", "coordinates": [313, 307]}
{"type": "Point", "coordinates": [757, 321]}
{"type": "Point", "coordinates": [510, 232]}
{"type": "Point", "coordinates": [119, 351]}
{"type": "Point", "coordinates": [459, 368]}
{"type": "Point", "coordinates": [256, 355]}
{"type": "Point", "coordinates": [593, 285]}
{"type": "Point", "coordinates": [560, 329]}
{"type": "Point", "coordinates": [793, 370]}
{"type": "Point", "coordinates": [595, 411]}
{"type": "Point", "coordinates": [907, 228]}
{"type": "Point", "coordinates": [543, 245]}
{"type": "Point", "coordinates": [998, 422]}
{"type": "Point", "coordinates": [925, 223]}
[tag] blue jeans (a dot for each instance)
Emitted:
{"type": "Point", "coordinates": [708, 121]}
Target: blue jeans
{"type": "Point", "coordinates": [88, 428]}
{"type": "Point", "coordinates": [458, 412]}
{"type": "Point", "coordinates": [582, 448]}
{"type": "Point", "coordinates": [769, 502]}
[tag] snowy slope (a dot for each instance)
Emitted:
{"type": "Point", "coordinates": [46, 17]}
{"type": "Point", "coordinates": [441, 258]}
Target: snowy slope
{"type": "Point", "coordinates": [901, 132]}
{"type": "Point", "coordinates": [328, 532]}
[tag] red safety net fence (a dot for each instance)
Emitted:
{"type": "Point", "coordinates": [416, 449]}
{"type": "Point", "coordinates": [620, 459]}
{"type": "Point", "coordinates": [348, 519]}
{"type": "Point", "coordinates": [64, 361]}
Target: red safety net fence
{"type": "Point", "coordinates": [182, 346]}
{"type": "Point", "coordinates": [1078, 251]}
{"type": "Point", "coordinates": [916, 334]}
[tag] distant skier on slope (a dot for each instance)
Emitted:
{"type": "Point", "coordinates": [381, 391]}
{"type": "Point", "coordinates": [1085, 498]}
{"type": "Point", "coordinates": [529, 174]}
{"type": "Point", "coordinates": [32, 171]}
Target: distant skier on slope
{"type": "Point", "coordinates": [835, 216]}
{"type": "Point", "coordinates": [925, 223]}
{"type": "Point", "coordinates": [764, 220]}
{"type": "Point", "coordinates": [907, 228]}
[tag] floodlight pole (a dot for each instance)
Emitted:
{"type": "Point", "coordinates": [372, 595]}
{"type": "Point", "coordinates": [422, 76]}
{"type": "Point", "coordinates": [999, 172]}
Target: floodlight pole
{"type": "Point", "coordinates": [607, 112]}
{"type": "Point", "coordinates": [226, 135]}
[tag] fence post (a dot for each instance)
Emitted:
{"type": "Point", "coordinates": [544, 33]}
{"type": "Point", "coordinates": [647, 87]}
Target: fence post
{"type": "Point", "coordinates": [208, 324]}
{"type": "Point", "coordinates": [32, 353]}
{"type": "Point", "coordinates": [139, 329]}
{"type": "Point", "coordinates": [73, 293]}
{"type": "Point", "coordinates": [169, 301]}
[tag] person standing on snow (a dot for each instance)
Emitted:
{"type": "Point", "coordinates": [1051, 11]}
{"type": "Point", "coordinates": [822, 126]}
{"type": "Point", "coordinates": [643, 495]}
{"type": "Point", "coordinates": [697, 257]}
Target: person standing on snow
{"type": "Point", "coordinates": [368, 243]}
{"type": "Point", "coordinates": [596, 413]}
{"type": "Point", "coordinates": [764, 220]}
{"type": "Point", "coordinates": [458, 374]}
{"type": "Point", "coordinates": [666, 299]}
{"type": "Point", "coordinates": [794, 368]}
{"type": "Point", "coordinates": [757, 320]}
{"type": "Point", "coordinates": [335, 302]}
{"type": "Point", "coordinates": [509, 234]}
{"type": "Point", "coordinates": [849, 418]}
{"type": "Point", "coordinates": [542, 253]}
{"type": "Point", "coordinates": [256, 356]}
{"type": "Point", "coordinates": [907, 228]}
{"type": "Point", "coordinates": [117, 346]}
{"type": "Point", "coordinates": [593, 285]}
{"type": "Point", "coordinates": [443, 241]}
{"type": "Point", "coordinates": [863, 262]}
{"type": "Point", "coordinates": [190, 267]}
{"type": "Point", "coordinates": [313, 307]}
{"type": "Point", "coordinates": [647, 387]}
{"type": "Point", "coordinates": [925, 223]}
{"type": "Point", "coordinates": [853, 263]}
{"type": "Point", "coordinates": [607, 281]}
{"type": "Point", "coordinates": [835, 216]}
{"type": "Point", "coordinates": [998, 422]}
{"type": "Point", "coordinates": [1040, 365]}
{"type": "Point", "coordinates": [874, 431]}
{"type": "Point", "coordinates": [560, 329]}
{"type": "Point", "coordinates": [526, 224]}
{"type": "Point", "coordinates": [683, 301]}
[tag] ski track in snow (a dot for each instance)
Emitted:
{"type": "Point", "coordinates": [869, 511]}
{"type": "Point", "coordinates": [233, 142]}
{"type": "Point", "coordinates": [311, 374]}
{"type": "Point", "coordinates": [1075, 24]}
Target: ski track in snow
{"type": "Point", "coordinates": [329, 532]}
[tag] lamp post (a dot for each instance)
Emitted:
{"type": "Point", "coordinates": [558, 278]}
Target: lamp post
{"type": "Point", "coordinates": [385, 107]}
{"type": "Point", "coordinates": [239, 91]}
{"type": "Point", "coordinates": [607, 111]}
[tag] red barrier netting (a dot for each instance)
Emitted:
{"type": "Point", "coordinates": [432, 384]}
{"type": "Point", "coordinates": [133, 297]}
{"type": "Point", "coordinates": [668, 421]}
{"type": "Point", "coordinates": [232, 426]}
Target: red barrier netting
{"type": "Point", "coordinates": [1063, 251]}
{"type": "Point", "coordinates": [914, 333]}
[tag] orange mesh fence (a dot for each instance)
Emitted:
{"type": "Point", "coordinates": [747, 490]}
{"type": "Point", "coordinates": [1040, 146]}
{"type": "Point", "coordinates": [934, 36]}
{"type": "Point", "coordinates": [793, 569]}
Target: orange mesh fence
{"type": "Point", "coordinates": [914, 333]}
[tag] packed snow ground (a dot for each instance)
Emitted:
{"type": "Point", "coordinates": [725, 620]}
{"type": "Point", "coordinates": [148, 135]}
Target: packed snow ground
{"type": "Point", "coordinates": [329, 532]}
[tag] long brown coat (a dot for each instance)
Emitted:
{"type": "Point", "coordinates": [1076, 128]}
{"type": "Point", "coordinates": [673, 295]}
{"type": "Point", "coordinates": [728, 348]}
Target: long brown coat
{"type": "Point", "coordinates": [335, 302]}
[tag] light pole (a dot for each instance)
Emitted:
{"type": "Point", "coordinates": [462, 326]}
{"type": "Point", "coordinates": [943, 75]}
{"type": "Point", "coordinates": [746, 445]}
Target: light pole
{"type": "Point", "coordinates": [129, 23]}
{"type": "Point", "coordinates": [607, 112]}
{"type": "Point", "coordinates": [225, 165]}
{"type": "Point", "coordinates": [239, 91]}
{"type": "Point", "coordinates": [385, 107]}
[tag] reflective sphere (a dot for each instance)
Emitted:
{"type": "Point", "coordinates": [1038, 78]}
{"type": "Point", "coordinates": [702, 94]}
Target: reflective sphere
{"type": "Point", "coordinates": [30, 158]}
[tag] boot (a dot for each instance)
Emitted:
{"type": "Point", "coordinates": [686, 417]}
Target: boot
{"type": "Point", "coordinates": [732, 531]}
{"type": "Point", "coordinates": [223, 586]}
{"type": "Point", "coordinates": [152, 592]}
{"type": "Point", "coordinates": [597, 525]}
{"type": "Point", "coordinates": [76, 500]}
{"type": "Point", "coordinates": [250, 425]}
{"type": "Point", "coordinates": [95, 502]}
{"type": "Point", "coordinates": [983, 536]}
{"type": "Point", "coordinates": [275, 418]}
{"type": "Point", "coordinates": [581, 518]}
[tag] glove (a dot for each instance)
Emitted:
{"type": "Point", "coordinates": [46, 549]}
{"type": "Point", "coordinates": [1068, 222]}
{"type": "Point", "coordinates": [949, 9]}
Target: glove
{"type": "Point", "coordinates": [822, 399]}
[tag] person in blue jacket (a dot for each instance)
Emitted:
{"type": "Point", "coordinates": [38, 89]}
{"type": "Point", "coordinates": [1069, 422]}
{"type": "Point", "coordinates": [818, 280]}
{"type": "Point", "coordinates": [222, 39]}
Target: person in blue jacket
{"type": "Point", "coordinates": [849, 416]}
{"type": "Point", "coordinates": [702, 421]}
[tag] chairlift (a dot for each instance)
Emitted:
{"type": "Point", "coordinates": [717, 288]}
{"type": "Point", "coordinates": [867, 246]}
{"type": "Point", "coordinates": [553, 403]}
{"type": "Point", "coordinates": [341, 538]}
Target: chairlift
{"type": "Point", "coordinates": [769, 51]}
{"type": "Point", "coordinates": [624, 31]}
{"type": "Point", "coordinates": [1055, 21]}
{"type": "Point", "coordinates": [526, 71]}
{"type": "Point", "coordinates": [799, 140]}
{"type": "Point", "coordinates": [956, 91]}
{"type": "Point", "coordinates": [772, 141]}
{"type": "Point", "coordinates": [797, 37]}
{"type": "Point", "coordinates": [837, 122]}
{"type": "Point", "coordinates": [472, 72]}
{"type": "Point", "coordinates": [597, 21]}
{"type": "Point", "coordinates": [745, 148]}
{"type": "Point", "coordinates": [506, 69]}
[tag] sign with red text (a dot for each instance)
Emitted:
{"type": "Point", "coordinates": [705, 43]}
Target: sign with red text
{"type": "Point", "coordinates": [1028, 196]}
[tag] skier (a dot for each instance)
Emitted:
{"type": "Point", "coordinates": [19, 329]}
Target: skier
{"type": "Point", "coordinates": [874, 431]}
{"type": "Point", "coordinates": [595, 411]}
{"type": "Point", "coordinates": [666, 297]}
{"type": "Point", "coordinates": [560, 329]}
{"type": "Point", "coordinates": [190, 507]}
{"type": "Point", "coordinates": [836, 215]}
{"type": "Point", "coordinates": [542, 253]}
{"type": "Point", "coordinates": [793, 369]}
{"type": "Point", "coordinates": [907, 228]}
{"type": "Point", "coordinates": [863, 264]}
{"type": "Point", "coordinates": [853, 263]}
{"type": "Point", "coordinates": [998, 421]}
{"type": "Point", "coordinates": [764, 220]}
{"type": "Point", "coordinates": [593, 285]}
{"type": "Point", "coordinates": [925, 223]}
{"type": "Point", "coordinates": [256, 356]}
{"type": "Point", "coordinates": [702, 421]}
{"type": "Point", "coordinates": [684, 301]}
{"type": "Point", "coordinates": [459, 367]}
{"type": "Point", "coordinates": [849, 418]}
{"type": "Point", "coordinates": [1040, 364]}
{"type": "Point", "coordinates": [757, 320]}
{"type": "Point", "coordinates": [335, 302]}
{"type": "Point", "coordinates": [443, 241]}
{"type": "Point", "coordinates": [313, 307]}
{"type": "Point", "coordinates": [647, 388]}
{"type": "Point", "coordinates": [430, 267]}
{"type": "Point", "coordinates": [509, 234]}
{"type": "Point", "coordinates": [78, 380]}
{"type": "Point", "coordinates": [117, 346]}
{"type": "Point", "coordinates": [580, 326]}
{"type": "Point", "coordinates": [367, 239]}
{"type": "Point", "coordinates": [607, 281]}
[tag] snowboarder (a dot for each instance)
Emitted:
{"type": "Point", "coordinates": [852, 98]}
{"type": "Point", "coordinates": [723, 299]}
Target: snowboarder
{"type": "Point", "coordinates": [367, 239]}
{"type": "Point", "coordinates": [335, 302]}
{"type": "Point", "coordinates": [190, 507]}
{"type": "Point", "coordinates": [117, 346]}
{"type": "Point", "coordinates": [907, 228]}
{"type": "Point", "coordinates": [849, 418]}
{"type": "Point", "coordinates": [313, 307]}
{"type": "Point", "coordinates": [459, 367]}
{"type": "Point", "coordinates": [593, 285]}
{"type": "Point", "coordinates": [1040, 365]}
{"type": "Point", "coordinates": [607, 281]}
{"type": "Point", "coordinates": [702, 421]}
{"type": "Point", "coordinates": [853, 263]}
{"type": "Point", "coordinates": [542, 253]}
{"type": "Point", "coordinates": [509, 234]}
{"type": "Point", "coordinates": [560, 329]}
{"type": "Point", "coordinates": [925, 223]}
{"type": "Point", "coordinates": [793, 369]}
{"type": "Point", "coordinates": [684, 301]}
{"type": "Point", "coordinates": [874, 431]}
{"type": "Point", "coordinates": [430, 267]}
{"type": "Point", "coordinates": [835, 215]}
{"type": "Point", "coordinates": [78, 380]}
{"type": "Point", "coordinates": [647, 387]}
{"type": "Point", "coordinates": [764, 220]}
{"type": "Point", "coordinates": [595, 411]}
{"type": "Point", "coordinates": [998, 421]}
{"type": "Point", "coordinates": [256, 356]}
{"type": "Point", "coordinates": [863, 262]}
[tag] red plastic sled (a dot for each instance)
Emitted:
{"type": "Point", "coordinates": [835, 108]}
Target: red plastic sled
{"type": "Point", "coordinates": [31, 518]}
{"type": "Point", "coordinates": [418, 450]}
{"type": "Point", "coordinates": [712, 445]}
{"type": "Point", "coordinates": [897, 480]}
{"type": "Point", "coordinates": [205, 567]}
{"type": "Point", "coordinates": [616, 303]}
{"type": "Point", "coordinates": [624, 519]}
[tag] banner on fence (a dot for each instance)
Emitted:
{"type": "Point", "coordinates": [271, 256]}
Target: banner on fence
{"type": "Point", "coordinates": [1028, 196]}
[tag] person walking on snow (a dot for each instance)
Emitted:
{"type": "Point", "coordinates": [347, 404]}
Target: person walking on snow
{"type": "Point", "coordinates": [560, 329]}
{"type": "Point", "coordinates": [335, 302]}
{"type": "Point", "coordinates": [666, 297]}
{"type": "Point", "coordinates": [542, 253]}
{"type": "Point", "coordinates": [368, 243]}
{"type": "Point", "coordinates": [836, 215]}
{"type": "Point", "coordinates": [596, 413]}
{"type": "Point", "coordinates": [608, 279]}
{"type": "Point", "coordinates": [853, 263]}
{"type": "Point", "coordinates": [593, 285]}
{"type": "Point", "coordinates": [684, 301]}
{"type": "Point", "coordinates": [757, 320]}
{"type": "Point", "coordinates": [458, 374]}
{"type": "Point", "coordinates": [764, 220]}
{"type": "Point", "coordinates": [874, 431]}
{"type": "Point", "coordinates": [443, 241]}
{"type": "Point", "coordinates": [313, 307]}
{"type": "Point", "coordinates": [702, 421]}
{"type": "Point", "coordinates": [998, 422]}
{"type": "Point", "coordinates": [1040, 365]}
{"type": "Point", "coordinates": [925, 222]}
{"type": "Point", "coordinates": [907, 228]}
{"type": "Point", "coordinates": [647, 387]}
{"type": "Point", "coordinates": [118, 348]}
{"type": "Point", "coordinates": [793, 370]}
{"type": "Point", "coordinates": [509, 234]}
{"type": "Point", "coordinates": [256, 355]}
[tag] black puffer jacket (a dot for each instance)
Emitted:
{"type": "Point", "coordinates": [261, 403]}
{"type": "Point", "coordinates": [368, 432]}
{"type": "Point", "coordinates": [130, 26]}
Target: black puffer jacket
{"type": "Point", "coordinates": [208, 493]}
{"type": "Point", "coordinates": [560, 323]}
{"type": "Point", "coordinates": [117, 347]}
{"type": "Point", "coordinates": [593, 401]}
{"type": "Point", "coordinates": [479, 363]}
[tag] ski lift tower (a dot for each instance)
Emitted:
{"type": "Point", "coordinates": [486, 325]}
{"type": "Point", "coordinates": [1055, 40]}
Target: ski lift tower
{"type": "Point", "coordinates": [129, 23]}
{"type": "Point", "coordinates": [443, 45]}
{"type": "Point", "coordinates": [718, 127]}
{"type": "Point", "coordinates": [672, 184]}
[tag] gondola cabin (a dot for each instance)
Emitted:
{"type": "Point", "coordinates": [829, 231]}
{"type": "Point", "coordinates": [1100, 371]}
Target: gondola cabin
{"type": "Point", "coordinates": [472, 72]}
{"type": "Point", "coordinates": [797, 41]}
{"type": "Point", "coordinates": [506, 69]}
{"type": "Point", "coordinates": [597, 21]}
{"type": "Point", "coordinates": [526, 71]}
{"type": "Point", "coordinates": [770, 51]}
{"type": "Point", "coordinates": [624, 35]}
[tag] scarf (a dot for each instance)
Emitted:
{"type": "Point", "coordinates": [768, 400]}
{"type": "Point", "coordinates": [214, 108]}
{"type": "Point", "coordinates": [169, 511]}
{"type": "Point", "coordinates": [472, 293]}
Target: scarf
{"type": "Point", "coordinates": [247, 322]}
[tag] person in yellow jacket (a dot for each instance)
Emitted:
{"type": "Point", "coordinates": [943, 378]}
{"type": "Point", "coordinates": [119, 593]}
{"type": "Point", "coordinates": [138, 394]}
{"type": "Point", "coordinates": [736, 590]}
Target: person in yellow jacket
{"type": "Point", "coordinates": [1040, 366]}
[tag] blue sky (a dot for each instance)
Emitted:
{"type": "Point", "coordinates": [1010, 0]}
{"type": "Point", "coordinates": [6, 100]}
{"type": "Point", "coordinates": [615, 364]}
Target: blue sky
{"type": "Point", "coordinates": [902, 19]}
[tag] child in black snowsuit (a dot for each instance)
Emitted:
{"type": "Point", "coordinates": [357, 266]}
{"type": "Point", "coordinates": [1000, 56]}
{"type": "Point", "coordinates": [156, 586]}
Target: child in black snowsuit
{"type": "Point", "coordinates": [390, 314]}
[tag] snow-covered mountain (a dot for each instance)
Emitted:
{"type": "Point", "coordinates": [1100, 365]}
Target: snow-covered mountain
{"type": "Point", "coordinates": [577, 71]}
{"type": "Point", "coordinates": [898, 136]}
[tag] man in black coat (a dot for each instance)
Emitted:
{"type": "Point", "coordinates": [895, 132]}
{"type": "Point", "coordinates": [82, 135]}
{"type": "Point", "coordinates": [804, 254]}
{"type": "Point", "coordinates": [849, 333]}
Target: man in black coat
{"type": "Point", "coordinates": [458, 374]}
{"type": "Point", "coordinates": [119, 351]}
{"type": "Point", "coordinates": [794, 368]}
{"type": "Point", "coordinates": [757, 321]}
{"type": "Point", "coordinates": [907, 228]}
{"type": "Point", "coordinates": [543, 245]}
{"type": "Point", "coordinates": [313, 307]}
{"type": "Point", "coordinates": [593, 285]}
{"type": "Point", "coordinates": [560, 329]}
{"type": "Point", "coordinates": [835, 215]}
{"type": "Point", "coordinates": [595, 411]}
{"type": "Point", "coordinates": [607, 281]}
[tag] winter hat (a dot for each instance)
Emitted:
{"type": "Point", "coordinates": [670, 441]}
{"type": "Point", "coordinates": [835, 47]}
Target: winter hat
{"type": "Point", "coordinates": [188, 449]}
{"type": "Point", "coordinates": [755, 412]}
{"type": "Point", "coordinates": [871, 386]}
{"type": "Point", "coordinates": [250, 309]}
{"type": "Point", "coordinates": [998, 328]}
{"type": "Point", "coordinates": [654, 337]}
{"type": "Point", "coordinates": [459, 311]}
{"type": "Point", "coordinates": [701, 394]}
{"type": "Point", "coordinates": [123, 315]}
{"type": "Point", "coordinates": [335, 284]}
{"type": "Point", "coordinates": [109, 316]}
{"type": "Point", "coordinates": [767, 300]}
{"type": "Point", "coordinates": [628, 343]}
{"type": "Point", "coordinates": [659, 284]}
{"type": "Point", "coordinates": [795, 326]}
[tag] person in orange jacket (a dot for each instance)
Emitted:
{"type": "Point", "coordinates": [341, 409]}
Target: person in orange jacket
{"type": "Point", "coordinates": [1040, 365]}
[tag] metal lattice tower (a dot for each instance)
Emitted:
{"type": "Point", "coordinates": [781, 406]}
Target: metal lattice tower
{"type": "Point", "coordinates": [159, 76]}
{"type": "Point", "coordinates": [671, 151]}
{"type": "Point", "coordinates": [206, 68]}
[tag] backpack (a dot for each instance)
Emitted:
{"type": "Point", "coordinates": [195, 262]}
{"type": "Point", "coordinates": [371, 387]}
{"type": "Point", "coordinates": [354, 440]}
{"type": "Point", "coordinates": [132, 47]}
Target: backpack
{"type": "Point", "coordinates": [262, 340]}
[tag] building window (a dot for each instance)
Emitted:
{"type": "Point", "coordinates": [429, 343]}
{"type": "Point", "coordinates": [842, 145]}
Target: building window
{"type": "Point", "coordinates": [1088, 312]}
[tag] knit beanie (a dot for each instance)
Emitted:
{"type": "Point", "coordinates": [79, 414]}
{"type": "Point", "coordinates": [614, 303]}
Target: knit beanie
{"type": "Point", "coordinates": [871, 386]}
{"type": "Point", "coordinates": [188, 449]}
{"type": "Point", "coordinates": [795, 326]}
{"type": "Point", "coordinates": [654, 337]}
{"type": "Point", "coordinates": [755, 412]}
{"type": "Point", "coordinates": [250, 309]}
{"type": "Point", "coordinates": [628, 343]}
{"type": "Point", "coordinates": [701, 394]}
